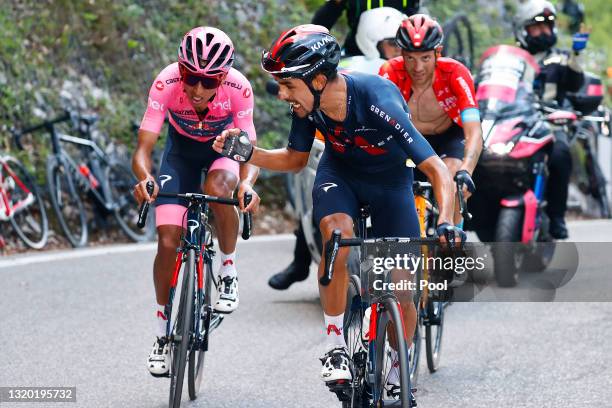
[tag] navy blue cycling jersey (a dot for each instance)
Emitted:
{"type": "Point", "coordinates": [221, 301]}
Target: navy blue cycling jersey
{"type": "Point", "coordinates": [377, 133]}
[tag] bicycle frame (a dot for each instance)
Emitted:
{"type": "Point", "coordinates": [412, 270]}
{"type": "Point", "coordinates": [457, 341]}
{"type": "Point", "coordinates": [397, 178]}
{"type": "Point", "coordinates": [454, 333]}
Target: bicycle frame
{"type": "Point", "coordinates": [197, 236]}
{"type": "Point", "coordinates": [11, 208]}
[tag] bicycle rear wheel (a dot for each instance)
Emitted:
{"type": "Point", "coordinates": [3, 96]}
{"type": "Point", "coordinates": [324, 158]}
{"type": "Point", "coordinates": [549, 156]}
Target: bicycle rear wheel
{"type": "Point", "coordinates": [182, 332]}
{"type": "Point", "coordinates": [389, 319]}
{"type": "Point", "coordinates": [66, 202]}
{"type": "Point", "coordinates": [29, 220]}
{"type": "Point", "coordinates": [195, 367]}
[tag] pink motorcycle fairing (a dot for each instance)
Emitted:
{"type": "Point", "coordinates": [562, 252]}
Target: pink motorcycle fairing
{"type": "Point", "coordinates": [530, 203]}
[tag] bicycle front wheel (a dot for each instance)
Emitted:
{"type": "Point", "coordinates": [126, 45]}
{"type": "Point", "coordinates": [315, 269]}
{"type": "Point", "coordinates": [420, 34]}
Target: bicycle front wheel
{"type": "Point", "coordinates": [353, 329]}
{"type": "Point", "coordinates": [195, 368]}
{"type": "Point", "coordinates": [66, 202]}
{"type": "Point", "coordinates": [182, 332]}
{"type": "Point", "coordinates": [434, 325]}
{"type": "Point", "coordinates": [386, 358]}
{"type": "Point", "coordinates": [30, 218]}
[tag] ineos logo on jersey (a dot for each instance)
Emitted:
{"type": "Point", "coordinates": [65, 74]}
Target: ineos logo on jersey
{"type": "Point", "coordinates": [244, 113]}
{"type": "Point", "coordinates": [155, 105]}
{"type": "Point", "coordinates": [193, 225]}
{"type": "Point", "coordinates": [327, 186]}
{"type": "Point", "coordinates": [164, 178]}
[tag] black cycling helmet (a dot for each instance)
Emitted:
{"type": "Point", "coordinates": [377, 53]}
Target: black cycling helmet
{"type": "Point", "coordinates": [302, 52]}
{"type": "Point", "coordinates": [420, 32]}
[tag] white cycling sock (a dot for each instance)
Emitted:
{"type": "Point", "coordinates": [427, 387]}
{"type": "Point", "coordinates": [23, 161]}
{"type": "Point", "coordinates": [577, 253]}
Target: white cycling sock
{"type": "Point", "coordinates": [334, 330]}
{"type": "Point", "coordinates": [160, 320]}
{"type": "Point", "coordinates": [394, 370]}
{"type": "Point", "coordinates": [228, 265]}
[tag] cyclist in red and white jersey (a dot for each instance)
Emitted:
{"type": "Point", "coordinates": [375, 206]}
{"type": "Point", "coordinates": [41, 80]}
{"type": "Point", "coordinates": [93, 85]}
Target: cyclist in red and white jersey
{"type": "Point", "coordinates": [202, 95]}
{"type": "Point", "coordinates": [440, 95]}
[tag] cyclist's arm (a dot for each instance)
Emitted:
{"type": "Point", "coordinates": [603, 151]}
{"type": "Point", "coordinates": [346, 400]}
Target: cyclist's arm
{"type": "Point", "coordinates": [440, 178]}
{"type": "Point", "coordinates": [462, 86]}
{"type": "Point", "coordinates": [285, 159]}
{"type": "Point", "coordinates": [142, 163]}
{"type": "Point", "coordinates": [244, 102]}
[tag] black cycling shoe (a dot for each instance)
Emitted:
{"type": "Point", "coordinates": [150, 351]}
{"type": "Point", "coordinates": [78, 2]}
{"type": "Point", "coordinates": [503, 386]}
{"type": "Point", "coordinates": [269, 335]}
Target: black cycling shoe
{"type": "Point", "coordinates": [557, 228]}
{"type": "Point", "coordinates": [289, 276]}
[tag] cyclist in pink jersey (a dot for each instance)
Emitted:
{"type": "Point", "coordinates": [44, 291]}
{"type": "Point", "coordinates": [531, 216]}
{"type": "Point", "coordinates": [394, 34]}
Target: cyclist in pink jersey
{"type": "Point", "coordinates": [202, 95]}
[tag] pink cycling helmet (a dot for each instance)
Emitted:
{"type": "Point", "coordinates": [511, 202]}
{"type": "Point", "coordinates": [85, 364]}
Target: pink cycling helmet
{"type": "Point", "coordinates": [206, 51]}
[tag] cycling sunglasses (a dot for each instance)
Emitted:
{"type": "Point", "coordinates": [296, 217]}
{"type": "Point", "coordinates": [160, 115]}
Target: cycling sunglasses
{"type": "Point", "coordinates": [208, 82]}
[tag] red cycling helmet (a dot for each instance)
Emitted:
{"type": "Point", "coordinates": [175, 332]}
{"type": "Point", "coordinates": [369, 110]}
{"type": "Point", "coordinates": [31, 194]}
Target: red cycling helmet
{"type": "Point", "coordinates": [419, 32]}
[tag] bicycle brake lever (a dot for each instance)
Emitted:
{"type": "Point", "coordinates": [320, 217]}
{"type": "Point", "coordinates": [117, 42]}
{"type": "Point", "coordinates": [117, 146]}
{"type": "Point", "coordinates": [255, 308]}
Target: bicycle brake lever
{"type": "Point", "coordinates": [144, 208]}
{"type": "Point", "coordinates": [462, 205]}
{"type": "Point", "coordinates": [331, 251]}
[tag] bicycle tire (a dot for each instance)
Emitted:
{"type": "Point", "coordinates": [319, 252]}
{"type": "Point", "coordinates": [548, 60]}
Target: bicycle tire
{"type": "Point", "coordinates": [465, 52]}
{"type": "Point", "coordinates": [62, 188]}
{"type": "Point", "coordinates": [121, 182]}
{"type": "Point", "coordinates": [352, 330]}
{"type": "Point", "coordinates": [197, 357]}
{"type": "Point", "coordinates": [389, 318]}
{"type": "Point", "coordinates": [434, 328]}
{"type": "Point", "coordinates": [25, 220]}
{"type": "Point", "coordinates": [184, 321]}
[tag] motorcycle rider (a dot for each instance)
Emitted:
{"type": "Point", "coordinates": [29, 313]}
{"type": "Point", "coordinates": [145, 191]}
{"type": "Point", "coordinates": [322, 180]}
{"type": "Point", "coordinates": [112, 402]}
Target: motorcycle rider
{"type": "Point", "coordinates": [376, 40]}
{"type": "Point", "coordinates": [535, 31]}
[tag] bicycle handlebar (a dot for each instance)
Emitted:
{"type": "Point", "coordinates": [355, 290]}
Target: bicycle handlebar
{"type": "Point", "coordinates": [200, 198]}
{"type": "Point", "coordinates": [336, 242]}
{"type": "Point", "coordinates": [17, 134]}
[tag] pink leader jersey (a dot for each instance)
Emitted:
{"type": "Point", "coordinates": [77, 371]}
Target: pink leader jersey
{"type": "Point", "coordinates": [232, 106]}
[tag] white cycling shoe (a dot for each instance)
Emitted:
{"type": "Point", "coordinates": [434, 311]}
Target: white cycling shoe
{"type": "Point", "coordinates": [228, 300]}
{"type": "Point", "coordinates": [158, 362]}
{"type": "Point", "coordinates": [336, 365]}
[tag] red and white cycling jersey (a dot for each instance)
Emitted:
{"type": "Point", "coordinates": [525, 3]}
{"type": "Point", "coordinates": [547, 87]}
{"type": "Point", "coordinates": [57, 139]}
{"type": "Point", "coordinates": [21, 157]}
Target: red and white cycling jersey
{"type": "Point", "coordinates": [232, 106]}
{"type": "Point", "coordinates": [453, 86]}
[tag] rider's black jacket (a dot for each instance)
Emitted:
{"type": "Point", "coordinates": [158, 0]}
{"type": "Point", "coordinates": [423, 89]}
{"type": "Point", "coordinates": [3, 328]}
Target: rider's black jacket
{"type": "Point", "coordinates": [560, 73]}
{"type": "Point", "coordinates": [332, 10]}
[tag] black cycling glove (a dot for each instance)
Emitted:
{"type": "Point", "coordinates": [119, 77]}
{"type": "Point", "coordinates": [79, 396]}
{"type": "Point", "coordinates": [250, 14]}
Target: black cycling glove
{"type": "Point", "coordinates": [450, 232]}
{"type": "Point", "coordinates": [238, 148]}
{"type": "Point", "coordinates": [463, 177]}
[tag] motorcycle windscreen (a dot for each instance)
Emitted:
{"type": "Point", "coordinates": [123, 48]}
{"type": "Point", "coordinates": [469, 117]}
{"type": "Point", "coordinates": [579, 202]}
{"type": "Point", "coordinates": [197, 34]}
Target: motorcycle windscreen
{"type": "Point", "coordinates": [506, 77]}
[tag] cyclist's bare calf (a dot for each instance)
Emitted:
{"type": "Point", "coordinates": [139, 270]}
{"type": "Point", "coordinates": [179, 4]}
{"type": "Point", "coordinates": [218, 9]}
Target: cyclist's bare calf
{"type": "Point", "coordinates": [333, 296]}
{"type": "Point", "coordinates": [222, 183]}
{"type": "Point", "coordinates": [168, 241]}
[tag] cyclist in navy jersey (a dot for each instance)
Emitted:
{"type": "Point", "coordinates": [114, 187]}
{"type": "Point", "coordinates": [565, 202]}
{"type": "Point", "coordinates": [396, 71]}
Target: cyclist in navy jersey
{"type": "Point", "coordinates": [369, 139]}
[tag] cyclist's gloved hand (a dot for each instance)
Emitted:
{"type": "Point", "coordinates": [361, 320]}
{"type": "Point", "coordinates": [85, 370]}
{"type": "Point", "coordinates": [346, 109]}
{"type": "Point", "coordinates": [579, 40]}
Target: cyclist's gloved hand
{"type": "Point", "coordinates": [236, 147]}
{"type": "Point", "coordinates": [579, 41]}
{"type": "Point", "coordinates": [464, 178]}
{"type": "Point", "coordinates": [450, 233]}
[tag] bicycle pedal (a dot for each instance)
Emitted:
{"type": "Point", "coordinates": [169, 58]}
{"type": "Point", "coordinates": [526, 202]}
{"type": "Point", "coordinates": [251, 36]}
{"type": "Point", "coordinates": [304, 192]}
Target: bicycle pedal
{"type": "Point", "coordinates": [342, 389]}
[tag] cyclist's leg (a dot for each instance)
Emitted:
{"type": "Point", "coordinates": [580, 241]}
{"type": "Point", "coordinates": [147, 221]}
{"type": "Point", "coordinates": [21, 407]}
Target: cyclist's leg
{"type": "Point", "coordinates": [222, 180]}
{"type": "Point", "coordinates": [335, 206]}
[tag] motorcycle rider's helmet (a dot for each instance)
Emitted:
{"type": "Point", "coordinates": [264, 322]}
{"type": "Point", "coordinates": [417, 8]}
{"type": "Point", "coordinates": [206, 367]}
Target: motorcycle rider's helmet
{"type": "Point", "coordinates": [535, 12]}
{"type": "Point", "coordinates": [377, 25]}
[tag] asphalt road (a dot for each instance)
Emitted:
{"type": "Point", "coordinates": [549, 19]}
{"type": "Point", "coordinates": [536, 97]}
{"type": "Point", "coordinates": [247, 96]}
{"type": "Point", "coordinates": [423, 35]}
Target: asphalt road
{"type": "Point", "coordinates": [87, 321]}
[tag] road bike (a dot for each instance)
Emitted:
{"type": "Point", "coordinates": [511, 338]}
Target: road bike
{"type": "Point", "coordinates": [21, 203]}
{"type": "Point", "coordinates": [107, 180]}
{"type": "Point", "coordinates": [189, 331]}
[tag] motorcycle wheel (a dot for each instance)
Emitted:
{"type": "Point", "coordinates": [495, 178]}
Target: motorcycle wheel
{"type": "Point", "coordinates": [507, 259]}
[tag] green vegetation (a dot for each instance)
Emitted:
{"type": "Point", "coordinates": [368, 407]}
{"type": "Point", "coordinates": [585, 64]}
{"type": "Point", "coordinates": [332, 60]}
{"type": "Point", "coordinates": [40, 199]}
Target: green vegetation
{"type": "Point", "coordinates": [104, 54]}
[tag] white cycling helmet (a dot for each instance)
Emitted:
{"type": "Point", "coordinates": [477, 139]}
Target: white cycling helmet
{"type": "Point", "coordinates": [532, 12]}
{"type": "Point", "coordinates": [376, 25]}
